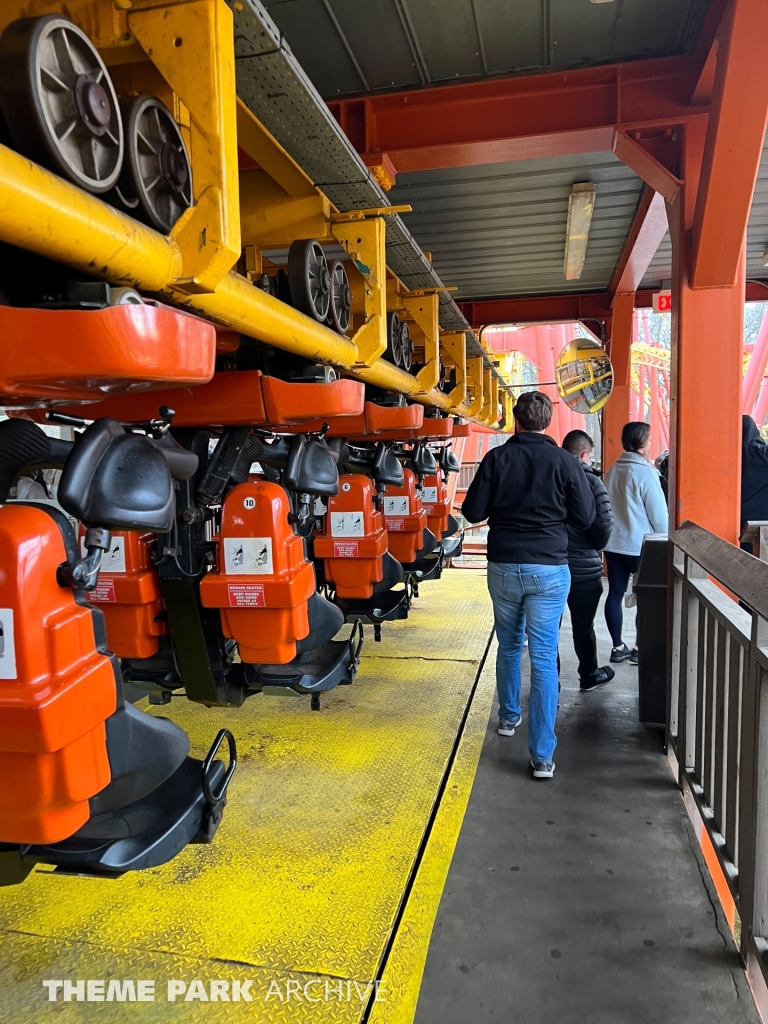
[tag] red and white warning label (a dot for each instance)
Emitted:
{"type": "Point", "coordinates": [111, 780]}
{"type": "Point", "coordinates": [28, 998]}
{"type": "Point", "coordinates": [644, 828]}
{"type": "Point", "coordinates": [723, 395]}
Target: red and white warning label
{"type": "Point", "coordinates": [246, 595]}
{"type": "Point", "coordinates": [395, 525]}
{"type": "Point", "coordinates": [104, 592]}
{"type": "Point", "coordinates": [345, 549]}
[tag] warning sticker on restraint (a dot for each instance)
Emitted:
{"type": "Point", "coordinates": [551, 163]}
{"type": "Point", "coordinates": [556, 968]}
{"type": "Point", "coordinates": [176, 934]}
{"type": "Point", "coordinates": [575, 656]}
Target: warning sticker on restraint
{"type": "Point", "coordinates": [7, 645]}
{"type": "Point", "coordinates": [104, 592]}
{"type": "Point", "coordinates": [248, 556]}
{"type": "Point", "coordinates": [112, 560]}
{"type": "Point", "coordinates": [399, 506]}
{"type": "Point", "coordinates": [347, 524]}
{"type": "Point", "coordinates": [246, 595]}
{"type": "Point", "coordinates": [395, 525]}
{"type": "Point", "coordinates": [429, 494]}
{"type": "Point", "coordinates": [345, 549]}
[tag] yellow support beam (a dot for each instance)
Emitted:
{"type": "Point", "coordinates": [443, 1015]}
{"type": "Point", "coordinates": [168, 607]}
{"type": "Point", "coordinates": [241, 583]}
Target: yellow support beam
{"type": "Point", "coordinates": [191, 44]}
{"type": "Point", "coordinates": [424, 310]}
{"type": "Point", "coordinates": [455, 346]}
{"type": "Point", "coordinates": [363, 240]}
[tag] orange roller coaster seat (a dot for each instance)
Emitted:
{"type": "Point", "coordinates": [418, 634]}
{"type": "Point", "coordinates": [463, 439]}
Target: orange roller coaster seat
{"type": "Point", "coordinates": [128, 593]}
{"type": "Point", "coordinates": [263, 580]}
{"type": "Point", "coordinates": [377, 420]}
{"type": "Point", "coordinates": [436, 504]}
{"type": "Point", "coordinates": [289, 403]}
{"type": "Point", "coordinates": [405, 518]}
{"type": "Point", "coordinates": [227, 400]}
{"type": "Point", "coordinates": [56, 689]}
{"type": "Point", "coordinates": [57, 356]}
{"type": "Point", "coordinates": [354, 540]}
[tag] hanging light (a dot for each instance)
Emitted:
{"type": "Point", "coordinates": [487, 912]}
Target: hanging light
{"type": "Point", "coordinates": [581, 203]}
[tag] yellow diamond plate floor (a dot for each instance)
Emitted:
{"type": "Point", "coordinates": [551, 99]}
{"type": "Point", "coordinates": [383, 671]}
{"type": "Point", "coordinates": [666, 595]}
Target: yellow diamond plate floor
{"type": "Point", "coordinates": [313, 868]}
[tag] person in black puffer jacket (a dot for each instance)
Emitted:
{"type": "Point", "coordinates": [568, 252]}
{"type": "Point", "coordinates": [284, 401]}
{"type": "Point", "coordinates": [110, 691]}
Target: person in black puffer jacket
{"type": "Point", "coordinates": [586, 564]}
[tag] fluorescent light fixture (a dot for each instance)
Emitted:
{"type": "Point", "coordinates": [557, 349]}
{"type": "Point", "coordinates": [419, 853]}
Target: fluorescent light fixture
{"type": "Point", "coordinates": [581, 203]}
{"type": "Point", "coordinates": [601, 1]}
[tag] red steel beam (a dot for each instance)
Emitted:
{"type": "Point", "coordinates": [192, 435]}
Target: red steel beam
{"type": "Point", "coordinates": [545, 114]}
{"type": "Point", "coordinates": [734, 144]}
{"type": "Point", "coordinates": [648, 229]}
{"type": "Point", "coordinates": [646, 166]}
{"type": "Point", "coordinates": [553, 309]}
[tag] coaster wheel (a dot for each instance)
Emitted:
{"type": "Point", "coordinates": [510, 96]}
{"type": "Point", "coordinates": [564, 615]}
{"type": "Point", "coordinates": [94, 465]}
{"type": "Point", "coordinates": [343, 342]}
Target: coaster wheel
{"type": "Point", "coordinates": [59, 103]}
{"type": "Point", "coordinates": [308, 278]}
{"type": "Point", "coordinates": [156, 167]}
{"type": "Point", "coordinates": [406, 347]}
{"type": "Point", "coordinates": [340, 311]}
{"type": "Point", "coordinates": [394, 350]}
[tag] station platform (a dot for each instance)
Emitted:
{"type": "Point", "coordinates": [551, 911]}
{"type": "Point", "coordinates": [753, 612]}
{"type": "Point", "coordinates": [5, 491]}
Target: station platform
{"type": "Point", "coordinates": [329, 863]}
{"type": "Point", "coordinates": [583, 898]}
{"type": "Point", "coordinates": [395, 829]}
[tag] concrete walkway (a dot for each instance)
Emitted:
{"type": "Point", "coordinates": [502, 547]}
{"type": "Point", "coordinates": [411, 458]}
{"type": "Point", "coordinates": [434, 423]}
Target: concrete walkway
{"type": "Point", "coordinates": [583, 898]}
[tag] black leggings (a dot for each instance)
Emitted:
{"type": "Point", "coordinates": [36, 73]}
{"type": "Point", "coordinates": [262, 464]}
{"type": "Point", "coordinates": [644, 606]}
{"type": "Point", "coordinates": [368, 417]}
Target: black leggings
{"type": "Point", "coordinates": [620, 568]}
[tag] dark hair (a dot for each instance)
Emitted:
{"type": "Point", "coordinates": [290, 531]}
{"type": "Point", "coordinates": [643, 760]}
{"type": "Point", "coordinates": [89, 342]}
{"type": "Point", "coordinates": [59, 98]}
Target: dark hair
{"type": "Point", "coordinates": [578, 441]}
{"type": "Point", "coordinates": [635, 436]}
{"type": "Point", "coordinates": [533, 410]}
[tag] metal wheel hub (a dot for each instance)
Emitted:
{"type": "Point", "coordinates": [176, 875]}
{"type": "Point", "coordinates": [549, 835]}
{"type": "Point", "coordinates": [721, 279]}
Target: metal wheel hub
{"type": "Point", "coordinates": [173, 164]}
{"type": "Point", "coordinates": [92, 104]}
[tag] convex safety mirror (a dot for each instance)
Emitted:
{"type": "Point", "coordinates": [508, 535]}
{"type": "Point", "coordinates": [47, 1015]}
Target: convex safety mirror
{"type": "Point", "coordinates": [584, 376]}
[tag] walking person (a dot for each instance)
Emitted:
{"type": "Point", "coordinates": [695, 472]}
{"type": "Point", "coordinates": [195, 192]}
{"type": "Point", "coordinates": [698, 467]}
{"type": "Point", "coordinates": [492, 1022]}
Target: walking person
{"type": "Point", "coordinates": [637, 500]}
{"type": "Point", "coordinates": [585, 562]}
{"type": "Point", "coordinates": [528, 489]}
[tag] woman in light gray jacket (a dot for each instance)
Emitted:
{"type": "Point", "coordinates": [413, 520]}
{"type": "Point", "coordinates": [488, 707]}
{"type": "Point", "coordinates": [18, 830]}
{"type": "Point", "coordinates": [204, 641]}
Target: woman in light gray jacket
{"type": "Point", "coordinates": [639, 508]}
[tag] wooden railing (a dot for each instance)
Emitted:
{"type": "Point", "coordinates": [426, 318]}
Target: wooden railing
{"type": "Point", "coordinates": [718, 715]}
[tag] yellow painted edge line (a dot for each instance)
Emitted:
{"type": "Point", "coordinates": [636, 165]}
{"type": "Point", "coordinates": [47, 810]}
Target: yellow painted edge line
{"type": "Point", "coordinates": [401, 980]}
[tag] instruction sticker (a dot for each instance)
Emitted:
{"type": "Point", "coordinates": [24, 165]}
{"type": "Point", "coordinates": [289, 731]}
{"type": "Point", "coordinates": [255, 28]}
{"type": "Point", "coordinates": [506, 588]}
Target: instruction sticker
{"type": "Point", "coordinates": [345, 549]}
{"type": "Point", "coordinates": [104, 592]}
{"type": "Point", "coordinates": [395, 525]}
{"type": "Point", "coordinates": [429, 494]}
{"type": "Point", "coordinates": [347, 524]}
{"type": "Point", "coordinates": [112, 560]}
{"type": "Point", "coordinates": [399, 506]}
{"type": "Point", "coordinates": [7, 645]}
{"type": "Point", "coordinates": [429, 509]}
{"type": "Point", "coordinates": [246, 595]}
{"type": "Point", "coordinates": [248, 556]}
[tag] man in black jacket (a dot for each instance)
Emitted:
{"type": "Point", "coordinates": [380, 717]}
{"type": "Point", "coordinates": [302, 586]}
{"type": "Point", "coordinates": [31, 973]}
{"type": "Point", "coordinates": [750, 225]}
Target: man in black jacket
{"type": "Point", "coordinates": [586, 564]}
{"type": "Point", "coordinates": [528, 489]}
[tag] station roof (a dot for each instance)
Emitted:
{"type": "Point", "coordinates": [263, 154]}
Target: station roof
{"type": "Point", "coordinates": [362, 46]}
{"type": "Point", "coordinates": [497, 230]}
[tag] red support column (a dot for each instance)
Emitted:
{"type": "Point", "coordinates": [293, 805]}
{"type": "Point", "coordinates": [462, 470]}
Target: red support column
{"type": "Point", "coordinates": [706, 359]}
{"type": "Point", "coordinates": [616, 411]}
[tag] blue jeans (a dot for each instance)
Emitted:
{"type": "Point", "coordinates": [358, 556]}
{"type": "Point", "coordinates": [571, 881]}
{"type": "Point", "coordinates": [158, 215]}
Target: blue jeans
{"type": "Point", "coordinates": [529, 598]}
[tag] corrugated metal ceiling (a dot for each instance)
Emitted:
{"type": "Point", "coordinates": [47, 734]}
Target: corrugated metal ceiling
{"type": "Point", "coordinates": [500, 229]}
{"type": "Point", "coordinates": [355, 46]}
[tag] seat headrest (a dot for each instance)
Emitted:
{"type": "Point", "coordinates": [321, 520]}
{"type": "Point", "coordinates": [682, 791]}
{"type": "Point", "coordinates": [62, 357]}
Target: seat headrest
{"type": "Point", "coordinates": [422, 461]}
{"type": "Point", "coordinates": [386, 468]}
{"type": "Point", "coordinates": [311, 468]}
{"type": "Point", "coordinates": [449, 462]}
{"type": "Point", "coordinates": [116, 480]}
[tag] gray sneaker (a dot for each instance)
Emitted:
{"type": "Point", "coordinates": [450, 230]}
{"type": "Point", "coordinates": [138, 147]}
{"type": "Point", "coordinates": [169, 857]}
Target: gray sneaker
{"type": "Point", "coordinates": [543, 769]}
{"type": "Point", "coordinates": [507, 726]}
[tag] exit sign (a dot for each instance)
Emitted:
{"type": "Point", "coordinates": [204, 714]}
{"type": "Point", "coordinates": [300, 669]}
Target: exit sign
{"type": "Point", "coordinates": [662, 301]}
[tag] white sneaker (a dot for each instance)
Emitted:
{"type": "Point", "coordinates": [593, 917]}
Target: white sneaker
{"type": "Point", "coordinates": [543, 769]}
{"type": "Point", "coordinates": [507, 726]}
